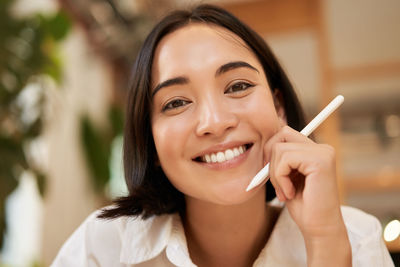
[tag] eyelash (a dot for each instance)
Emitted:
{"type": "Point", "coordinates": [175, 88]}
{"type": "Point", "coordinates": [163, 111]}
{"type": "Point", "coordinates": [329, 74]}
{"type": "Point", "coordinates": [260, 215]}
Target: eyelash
{"type": "Point", "coordinates": [172, 104]}
{"type": "Point", "coordinates": [241, 84]}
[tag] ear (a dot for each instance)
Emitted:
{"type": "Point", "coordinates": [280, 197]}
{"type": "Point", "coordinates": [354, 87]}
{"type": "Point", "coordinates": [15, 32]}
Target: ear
{"type": "Point", "coordinates": [280, 106]}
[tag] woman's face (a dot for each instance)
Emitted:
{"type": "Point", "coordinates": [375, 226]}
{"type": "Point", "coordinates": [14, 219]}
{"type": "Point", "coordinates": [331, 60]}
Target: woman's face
{"type": "Point", "coordinates": [212, 113]}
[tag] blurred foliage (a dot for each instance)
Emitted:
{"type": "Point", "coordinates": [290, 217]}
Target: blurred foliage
{"type": "Point", "coordinates": [97, 142]}
{"type": "Point", "coordinates": [37, 264]}
{"type": "Point", "coordinates": [27, 52]}
{"type": "Point", "coordinates": [33, 264]}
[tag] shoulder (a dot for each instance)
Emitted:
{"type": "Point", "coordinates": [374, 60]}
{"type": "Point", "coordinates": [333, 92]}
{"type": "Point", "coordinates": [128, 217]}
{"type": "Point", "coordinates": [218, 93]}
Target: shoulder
{"type": "Point", "coordinates": [365, 235]}
{"type": "Point", "coordinates": [107, 241]}
{"type": "Point", "coordinates": [92, 239]}
{"type": "Point", "coordinates": [360, 223]}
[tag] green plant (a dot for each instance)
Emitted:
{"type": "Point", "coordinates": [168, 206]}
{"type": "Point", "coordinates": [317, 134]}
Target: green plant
{"type": "Point", "coordinates": [97, 142]}
{"type": "Point", "coordinates": [27, 53]}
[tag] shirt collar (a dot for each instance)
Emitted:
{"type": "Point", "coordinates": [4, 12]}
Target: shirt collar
{"type": "Point", "coordinates": [177, 249]}
{"type": "Point", "coordinates": [285, 246]}
{"type": "Point", "coordinates": [143, 240]}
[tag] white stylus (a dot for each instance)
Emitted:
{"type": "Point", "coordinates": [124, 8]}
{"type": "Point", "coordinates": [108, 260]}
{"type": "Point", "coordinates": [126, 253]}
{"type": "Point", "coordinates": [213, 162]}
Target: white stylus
{"type": "Point", "coordinates": [331, 107]}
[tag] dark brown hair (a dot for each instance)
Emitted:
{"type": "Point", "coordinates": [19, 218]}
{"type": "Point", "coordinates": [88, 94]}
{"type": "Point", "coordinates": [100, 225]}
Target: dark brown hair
{"type": "Point", "coordinates": [150, 192]}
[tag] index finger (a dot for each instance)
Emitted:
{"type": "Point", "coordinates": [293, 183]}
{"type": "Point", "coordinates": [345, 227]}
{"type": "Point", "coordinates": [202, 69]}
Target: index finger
{"type": "Point", "coordinates": [284, 135]}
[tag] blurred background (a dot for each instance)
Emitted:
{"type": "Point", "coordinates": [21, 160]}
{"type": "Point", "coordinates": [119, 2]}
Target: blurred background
{"type": "Point", "coordinates": [64, 66]}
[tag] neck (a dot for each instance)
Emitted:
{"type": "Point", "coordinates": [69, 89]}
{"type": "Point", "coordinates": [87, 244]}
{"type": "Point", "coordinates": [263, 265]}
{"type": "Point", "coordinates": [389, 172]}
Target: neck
{"type": "Point", "coordinates": [219, 235]}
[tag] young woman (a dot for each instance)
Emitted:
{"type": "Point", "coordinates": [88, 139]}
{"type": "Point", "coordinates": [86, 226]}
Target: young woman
{"type": "Point", "coordinates": [208, 107]}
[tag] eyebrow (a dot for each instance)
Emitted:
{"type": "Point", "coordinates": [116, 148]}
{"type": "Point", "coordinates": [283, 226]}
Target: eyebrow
{"type": "Point", "coordinates": [221, 70]}
{"type": "Point", "coordinates": [170, 82]}
{"type": "Point", "coordinates": [233, 65]}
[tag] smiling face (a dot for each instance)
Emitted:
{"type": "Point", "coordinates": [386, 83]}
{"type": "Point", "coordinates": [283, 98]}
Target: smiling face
{"type": "Point", "coordinates": [212, 113]}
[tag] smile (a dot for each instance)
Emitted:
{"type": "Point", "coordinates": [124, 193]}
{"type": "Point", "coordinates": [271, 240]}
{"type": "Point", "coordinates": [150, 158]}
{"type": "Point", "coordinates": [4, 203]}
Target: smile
{"type": "Point", "coordinates": [222, 156]}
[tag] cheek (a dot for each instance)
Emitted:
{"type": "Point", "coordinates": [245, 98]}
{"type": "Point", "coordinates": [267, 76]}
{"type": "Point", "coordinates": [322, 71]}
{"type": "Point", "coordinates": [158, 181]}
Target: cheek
{"type": "Point", "coordinates": [169, 138]}
{"type": "Point", "coordinates": [161, 135]}
{"type": "Point", "coordinates": [261, 110]}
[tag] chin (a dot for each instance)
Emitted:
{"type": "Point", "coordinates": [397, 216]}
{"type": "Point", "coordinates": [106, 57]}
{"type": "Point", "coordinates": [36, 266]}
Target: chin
{"type": "Point", "coordinates": [233, 194]}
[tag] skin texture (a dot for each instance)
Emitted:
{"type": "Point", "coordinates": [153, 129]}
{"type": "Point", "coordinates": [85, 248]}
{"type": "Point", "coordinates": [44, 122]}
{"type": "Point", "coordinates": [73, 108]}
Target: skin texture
{"type": "Point", "coordinates": [210, 93]}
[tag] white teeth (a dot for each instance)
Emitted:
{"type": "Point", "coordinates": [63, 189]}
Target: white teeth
{"type": "Point", "coordinates": [221, 157]}
{"type": "Point", "coordinates": [224, 156]}
{"type": "Point", "coordinates": [229, 154]}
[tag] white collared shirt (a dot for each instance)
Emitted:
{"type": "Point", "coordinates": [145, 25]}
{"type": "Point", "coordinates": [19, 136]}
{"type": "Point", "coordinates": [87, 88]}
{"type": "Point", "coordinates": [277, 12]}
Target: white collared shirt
{"type": "Point", "coordinates": [160, 241]}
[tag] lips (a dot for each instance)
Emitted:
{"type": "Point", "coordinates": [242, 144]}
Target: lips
{"type": "Point", "coordinates": [223, 155]}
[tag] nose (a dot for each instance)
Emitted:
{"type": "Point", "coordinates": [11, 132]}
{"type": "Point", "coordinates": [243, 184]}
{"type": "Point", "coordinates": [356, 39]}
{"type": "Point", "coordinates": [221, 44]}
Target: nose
{"type": "Point", "coordinates": [215, 118]}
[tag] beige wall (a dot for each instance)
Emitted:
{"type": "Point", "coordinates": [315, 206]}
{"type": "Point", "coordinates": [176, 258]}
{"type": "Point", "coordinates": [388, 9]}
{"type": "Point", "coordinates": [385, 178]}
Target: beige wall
{"type": "Point", "coordinates": [85, 89]}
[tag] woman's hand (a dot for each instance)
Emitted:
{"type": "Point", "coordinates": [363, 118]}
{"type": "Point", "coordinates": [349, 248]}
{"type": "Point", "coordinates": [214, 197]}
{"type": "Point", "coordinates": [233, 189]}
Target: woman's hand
{"type": "Point", "coordinates": [304, 176]}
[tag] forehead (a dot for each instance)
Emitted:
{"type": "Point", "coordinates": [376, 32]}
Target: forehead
{"type": "Point", "coordinates": [199, 43]}
{"type": "Point", "coordinates": [196, 32]}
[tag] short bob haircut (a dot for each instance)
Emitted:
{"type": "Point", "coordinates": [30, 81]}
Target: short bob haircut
{"type": "Point", "coordinates": [150, 192]}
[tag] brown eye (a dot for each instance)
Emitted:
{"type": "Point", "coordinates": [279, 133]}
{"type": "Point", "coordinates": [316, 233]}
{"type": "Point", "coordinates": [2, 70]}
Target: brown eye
{"type": "Point", "coordinates": [174, 104]}
{"type": "Point", "coordinates": [238, 87]}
